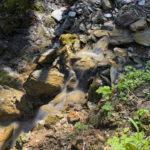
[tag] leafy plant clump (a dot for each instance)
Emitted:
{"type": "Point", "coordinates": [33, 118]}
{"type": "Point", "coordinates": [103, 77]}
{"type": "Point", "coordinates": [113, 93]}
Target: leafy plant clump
{"type": "Point", "coordinates": [19, 5]}
{"type": "Point", "coordinates": [131, 80]}
{"type": "Point", "coordinates": [79, 126]}
{"type": "Point", "coordinates": [125, 142]}
{"type": "Point", "coordinates": [136, 141]}
{"type": "Point", "coordinates": [105, 91]}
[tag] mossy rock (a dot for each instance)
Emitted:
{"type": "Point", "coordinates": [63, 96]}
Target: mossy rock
{"type": "Point", "coordinates": [92, 94]}
{"type": "Point", "coordinates": [38, 6]}
{"type": "Point", "coordinates": [6, 79]}
{"type": "Point", "coordinates": [67, 39]}
{"type": "Point", "coordinates": [145, 118]}
{"type": "Point", "coordinates": [49, 22]}
{"type": "Point", "coordinates": [51, 120]}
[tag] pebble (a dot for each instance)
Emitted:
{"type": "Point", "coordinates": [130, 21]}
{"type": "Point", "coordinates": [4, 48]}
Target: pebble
{"type": "Point", "coordinates": [72, 14]}
{"type": "Point", "coordinates": [108, 15]}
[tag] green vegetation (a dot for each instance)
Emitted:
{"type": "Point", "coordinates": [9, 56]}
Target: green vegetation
{"type": "Point", "coordinates": [132, 142]}
{"type": "Point", "coordinates": [49, 22]}
{"type": "Point", "coordinates": [5, 78]}
{"type": "Point", "coordinates": [79, 126]}
{"type": "Point", "coordinates": [38, 6]}
{"type": "Point", "coordinates": [132, 80]}
{"type": "Point", "coordinates": [105, 91]}
{"type": "Point", "coordinates": [125, 142]}
{"type": "Point", "coordinates": [16, 5]}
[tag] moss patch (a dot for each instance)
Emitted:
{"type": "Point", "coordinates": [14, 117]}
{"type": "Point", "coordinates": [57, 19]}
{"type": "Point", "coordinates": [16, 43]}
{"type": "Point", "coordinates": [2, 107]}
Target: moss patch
{"type": "Point", "coordinates": [50, 121]}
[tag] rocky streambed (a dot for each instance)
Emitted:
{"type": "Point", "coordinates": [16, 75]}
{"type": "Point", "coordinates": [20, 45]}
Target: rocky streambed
{"type": "Point", "coordinates": [54, 56]}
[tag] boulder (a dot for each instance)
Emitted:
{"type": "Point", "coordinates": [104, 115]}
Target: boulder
{"type": "Point", "coordinates": [74, 97]}
{"type": "Point", "coordinates": [6, 137]}
{"type": "Point", "coordinates": [48, 56]}
{"type": "Point", "coordinates": [142, 38]}
{"type": "Point", "coordinates": [106, 4]}
{"type": "Point", "coordinates": [139, 25]}
{"type": "Point", "coordinates": [99, 33]}
{"type": "Point", "coordinates": [46, 82]}
{"type": "Point", "coordinates": [8, 99]}
{"type": "Point", "coordinates": [126, 18]}
{"type": "Point", "coordinates": [119, 37]}
{"type": "Point", "coordinates": [102, 44]}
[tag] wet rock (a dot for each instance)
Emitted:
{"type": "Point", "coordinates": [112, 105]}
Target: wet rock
{"type": "Point", "coordinates": [113, 74]}
{"type": "Point", "coordinates": [6, 137]}
{"type": "Point", "coordinates": [48, 57]}
{"type": "Point", "coordinates": [83, 38]}
{"type": "Point", "coordinates": [119, 37]}
{"type": "Point", "coordinates": [76, 97]}
{"type": "Point", "coordinates": [72, 83]}
{"type": "Point", "coordinates": [99, 33]}
{"type": "Point", "coordinates": [139, 25]}
{"type": "Point", "coordinates": [106, 4]}
{"type": "Point", "coordinates": [126, 19]}
{"type": "Point", "coordinates": [92, 94]}
{"type": "Point", "coordinates": [103, 43]}
{"type": "Point", "coordinates": [8, 99]}
{"type": "Point", "coordinates": [57, 14]}
{"type": "Point", "coordinates": [44, 82]}
{"type": "Point", "coordinates": [85, 64]}
{"type": "Point", "coordinates": [120, 52]}
{"type": "Point", "coordinates": [142, 38]}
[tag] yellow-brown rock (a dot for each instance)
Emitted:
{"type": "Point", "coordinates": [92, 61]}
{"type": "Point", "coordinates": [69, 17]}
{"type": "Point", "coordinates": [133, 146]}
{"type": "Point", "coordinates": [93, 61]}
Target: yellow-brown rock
{"type": "Point", "coordinates": [44, 82]}
{"type": "Point", "coordinates": [103, 43]}
{"type": "Point", "coordinates": [8, 99]}
{"type": "Point", "coordinates": [99, 33]}
{"type": "Point", "coordinates": [48, 56]}
{"type": "Point", "coordinates": [6, 135]}
{"type": "Point", "coordinates": [142, 38]}
{"type": "Point", "coordinates": [139, 25]}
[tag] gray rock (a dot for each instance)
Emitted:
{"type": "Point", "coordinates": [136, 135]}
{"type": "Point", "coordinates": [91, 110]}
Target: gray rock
{"type": "Point", "coordinates": [57, 14]}
{"type": "Point", "coordinates": [72, 14]}
{"type": "Point", "coordinates": [108, 15]}
{"type": "Point", "coordinates": [127, 19]}
{"type": "Point", "coordinates": [141, 3]}
{"type": "Point", "coordinates": [106, 4]}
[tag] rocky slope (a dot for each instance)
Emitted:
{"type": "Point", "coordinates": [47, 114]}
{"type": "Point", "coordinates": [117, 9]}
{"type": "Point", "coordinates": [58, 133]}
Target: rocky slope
{"type": "Point", "coordinates": [54, 56]}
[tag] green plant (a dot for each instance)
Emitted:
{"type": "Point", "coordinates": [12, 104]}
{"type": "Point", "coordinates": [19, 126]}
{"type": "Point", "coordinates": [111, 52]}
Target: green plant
{"type": "Point", "coordinates": [107, 108]}
{"type": "Point", "coordinates": [79, 126]}
{"type": "Point", "coordinates": [131, 80]}
{"type": "Point", "coordinates": [134, 142]}
{"type": "Point", "coordinates": [13, 5]}
{"type": "Point", "coordinates": [148, 96]}
{"type": "Point", "coordinates": [105, 91]}
{"type": "Point", "coordinates": [125, 142]}
{"type": "Point", "coordinates": [141, 111]}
